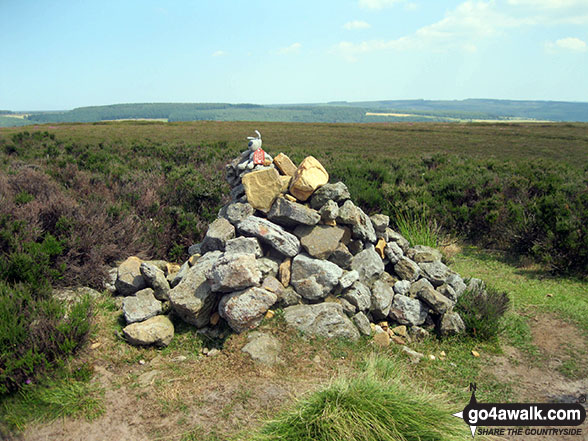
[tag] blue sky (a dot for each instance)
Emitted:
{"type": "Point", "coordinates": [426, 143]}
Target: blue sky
{"type": "Point", "coordinates": [66, 54]}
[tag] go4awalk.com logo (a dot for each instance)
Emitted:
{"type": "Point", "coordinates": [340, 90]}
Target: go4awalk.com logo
{"type": "Point", "coordinates": [499, 418]}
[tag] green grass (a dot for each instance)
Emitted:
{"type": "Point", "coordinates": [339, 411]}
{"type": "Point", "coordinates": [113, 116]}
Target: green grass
{"type": "Point", "coordinates": [418, 229]}
{"type": "Point", "coordinates": [374, 404]}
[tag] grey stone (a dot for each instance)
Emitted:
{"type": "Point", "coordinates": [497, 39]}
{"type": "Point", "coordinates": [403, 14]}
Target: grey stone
{"type": "Point", "coordinates": [141, 306]}
{"type": "Point", "coordinates": [263, 348]}
{"type": "Point", "coordinates": [447, 291]}
{"type": "Point", "coordinates": [355, 246]}
{"type": "Point", "coordinates": [289, 297]}
{"type": "Point", "coordinates": [336, 192]}
{"type": "Point", "coordinates": [457, 283]}
{"type": "Point", "coordinates": [393, 252]}
{"type": "Point", "coordinates": [380, 222]}
{"type": "Point", "coordinates": [348, 278]}
{"type": "Point", "coordinates": [129, 279]}
{"type": "Point", "coordinates": [381, 299]}
{"type": "Point", "coordinates": [329, 211]}
{"type": "Point", "coordinates": [451, 324]}
{"type": "Point", "coordinates": [323, 319]}
{"type": "Point", "coordinates": [244, 310]}
{"type": "Point", "coordinates": [475, 284]}
{"type": "Point", "coordinates": [236, 212]}
{"type": "Point", "coordinates": [419, 285]}
{"type": "Point", "coordinates": [289, 213]}
{"type": "Point", "coordinates": [408, 311]}
{"type": "Point", "coordinates": [233, 272]}
{"type": "Point", "coordinates": [402, 287]}
{"type": "Point", "coordinates": [436, 272]}
{"type": "Point", "coordinates": [348, 308]}
{"type": "Point", "coordinates": [271, 234]}
{"type": "Point", "coordinates": [237, 192]}
{"type": "Point", "coordinates": [361, 225]}
{"type": "Point", "coordinates": [422, 253]}
{"type": "Point", "coordinates": [407, 269]}
{"type": "Point", "coordinates": [359, 296]}
{"type": "Point", "coordinates": [110, 280]}
{"type": "Point", "coordinates": [192, 299]}
{"type": "Point", "coordinates": [312, 278]}
{"type": "Point", "coordinates": [217, 235]}
{"type": "Point", "coordinates": [320, 241]}
{"type": "Point", "coordinates": [243, 245]}
{"type": "Point", "coordinates": [438, 303]}
{"type": "Point", "coordinates": [362, 323]}
{"type": "Point", "coordinates": [414, 356]}
{"type": "Point", "coordinates": [157, 331]}
{"type": "Point", "coordinates": [418, 334]}
{"type": "Point", "coordinates": [195, 249]}
{"type": "Point", "coordinates": [274, 285]}
{"type": "Point", "coordinates": [180, 274]}
{"type": "Point", "coordinates": [155, 278]}
{"type": "Point", "coordinates": [341, 256]}
{"type": "Point", "coordinates": [393, 236]}
{"type": "Point", "coordinates": [268, 266]}
{"type": "Point", "coordinates": [368, 264]}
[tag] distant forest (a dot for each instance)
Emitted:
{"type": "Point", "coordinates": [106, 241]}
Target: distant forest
{"type": "Point", "coordinates": [334, 112]}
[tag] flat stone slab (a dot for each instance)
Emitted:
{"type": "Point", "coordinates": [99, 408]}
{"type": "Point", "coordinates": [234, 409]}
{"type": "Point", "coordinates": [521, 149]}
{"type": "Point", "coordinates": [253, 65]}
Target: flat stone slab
{"type": "Point", "coordinates": [271, 234]}
{"type": "Point", "coordinates": [320, 241]}
{"type": "Point", "coordinates": [141, 306]}
{"type": "Point", "coordinates": [323, 320]}
{"type": "Point", "coordinates": [157, 331]}
{"type": "Point", "coordinates": [290, 213]}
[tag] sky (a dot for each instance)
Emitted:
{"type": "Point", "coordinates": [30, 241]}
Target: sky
{"type": "Point", "coordinates": [58, 55]}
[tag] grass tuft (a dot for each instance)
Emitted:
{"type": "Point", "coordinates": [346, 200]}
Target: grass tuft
{"type": "Point", "coordinates": [418, 229]}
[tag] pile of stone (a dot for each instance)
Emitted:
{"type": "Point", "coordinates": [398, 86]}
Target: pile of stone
{"type": "Point", "coordinates": [290, 239]}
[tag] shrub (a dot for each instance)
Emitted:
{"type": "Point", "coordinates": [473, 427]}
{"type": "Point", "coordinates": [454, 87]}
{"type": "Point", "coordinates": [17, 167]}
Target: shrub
{"type": "Point", "coordinates": [482, 310]}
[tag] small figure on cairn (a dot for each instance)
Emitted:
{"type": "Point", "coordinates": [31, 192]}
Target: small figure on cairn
{"type": "Point", "coordinates": [257, 155]}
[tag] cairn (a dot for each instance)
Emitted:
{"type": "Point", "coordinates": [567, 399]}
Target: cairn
{"type": "Point", "coordinates": [290, 239]}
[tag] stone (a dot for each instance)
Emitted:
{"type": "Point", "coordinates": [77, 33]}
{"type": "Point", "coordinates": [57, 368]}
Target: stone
{"type": "Point", "coordinates": [402, 287]}
{"type": "Point", "coordinates": [361, 225]}
{"type": "Point", "coordinates": [355, 246]}
{"type": "Point", "coordinates": [312, 278]}
{"type": "Point", "coordinates": [380, 245]}
{"type": "Point", "coordinates": [457, 283]}
{"type": "Point", "coordinates": [217, 235]}
{"type": "Point", "coordinates": [368, 264]}
{"type": "Point", "coordinates": [268, 266]}
{"type": "Point", "coordinates": [408, 311]}
{"type": "Point", "coordinates": [359, 296]}
{"type": "Point", "coordinates": [348, 308]}
{"type": "Point", "coordinates": [309, 176]}
{"type": "Point", "coordinates": [329, 211]}
{"type": "Point", "coordinates": [413, 356]}
{"type": "Point", "coordinates": [400, 330]}
{"type": "Point", "coordinates": [475, 284]}
{"type": "Point", "coordinates": [285, 183]}
{"type": "Point", "coordinates": [393, 252]}
{"type": "Point", "coordinates": [393, 236]}
{"type": "Point", "coordinates": [262, 187]}
{"type": "Point", "coordinates": [233, 272]}
{"type": "Point", "coordinates": [348, 278]}
{"type": "Point", "coordinates": [381, 339]}
{"type": "Point", "coordinates": [381, 299]}
{"type": "Point", "coordinates": [141, 306]}
{"type": "Point", "coordinates": [285, 165]}
{"type": "Point", "coordinates": [272, 284]}
{"type": "Point", "coordinates": [155, 278]}
{"type": "Point", "coordinates": [320, 241]}
{"type": "Point", "coordinates": [263, 348]}
{"type": "Point", "coordinates": [422, 253]}
{"type": "Point", "coordinates": [407, 269]}
{"type": "Point", "coordinates": [322, 319]}
{"type": "Point", "coordinates": [177, 278]}
{"type": "Point", "coordinates": [237, 193]}
{"type": "Point", "coordinates": [419, 285]}
{"type": "Point", "coordinates": [192, 299]}
{"type": "Point", "coordinates": [418, 333]}
{"type": "Point", "coordinates": [341, 256]}
{"type": "Point", "coordinates": [380, 222]}
{"type": "Point", "coordinates": [289, 297]}
{"type": "Point", "coordinates": [362, 323]}
{"type": "Point", "coordinates": [244, 310]}
{"type": "Point", "coordinates": [195, 249]}
{"type": "Point", "coordinates": [129, 279]}
{"type": "Point", "coordinates": [447, 291]}
{"type": "Point", "coordinates": [157, 331]}
{"type": "Point", "coordinates": [435, 272]}
{"type": "Point", "coordinates": [284, 271]}
{"type": "Point", "coordinates": [243, 245]}
{"type": "Point", "coordinates": [214, 319]}
{"type": "Point", "coordinates": [290, 214]}
{"type": "Point", "coordinates": [336, 192]}
{"type": "Point", "coordinates": [437, 302]}
{"type": "Point", "coordinates": [270, 234]}
{"type": "Point", "coordinates": [193, 259]}
{"type": "Point", "coordinates": [451, 324]}
{"type": "Point", "coordinates": [171, 269]}
{"type": "Point", "coordinates": [476, 354]}
{"type": "Point", "coordinates": [237, 211]}
{"type": "Point", "coordinates": [397, 339]}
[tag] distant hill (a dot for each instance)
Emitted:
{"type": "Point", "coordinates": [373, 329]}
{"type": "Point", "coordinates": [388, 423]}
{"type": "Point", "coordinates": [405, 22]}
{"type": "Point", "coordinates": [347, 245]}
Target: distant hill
{"type": "Point", "coordinates": [338, 111]}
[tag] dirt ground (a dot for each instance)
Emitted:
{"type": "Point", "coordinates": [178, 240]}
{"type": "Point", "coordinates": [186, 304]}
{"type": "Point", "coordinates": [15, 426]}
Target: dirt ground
{"type": "Point", "coordinates": [540, 378]}
{"type": "Point", "coordinates": [171, 398]}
